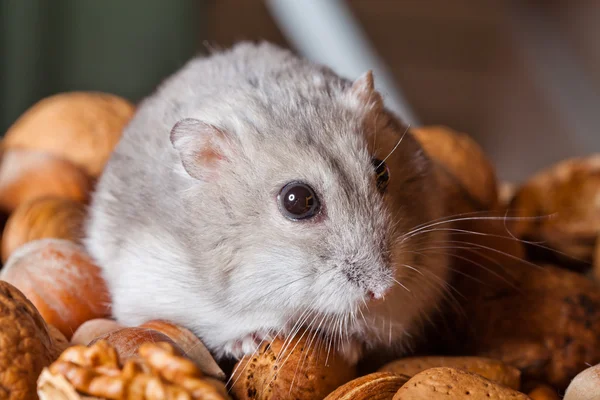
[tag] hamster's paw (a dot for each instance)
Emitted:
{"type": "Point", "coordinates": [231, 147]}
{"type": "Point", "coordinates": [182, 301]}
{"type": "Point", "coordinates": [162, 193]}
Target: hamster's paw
{"type": "Point", "coordinates": [351, 351]}
{"type": "Point", "coordinates": [247, 345]}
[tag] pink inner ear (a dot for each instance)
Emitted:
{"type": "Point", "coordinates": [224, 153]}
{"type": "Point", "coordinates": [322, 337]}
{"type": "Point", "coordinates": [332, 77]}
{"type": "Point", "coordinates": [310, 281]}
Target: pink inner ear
{"type": "Point", "coordinates": [200, 147]}
{"type": "Point", "coordinates": [209, 157]}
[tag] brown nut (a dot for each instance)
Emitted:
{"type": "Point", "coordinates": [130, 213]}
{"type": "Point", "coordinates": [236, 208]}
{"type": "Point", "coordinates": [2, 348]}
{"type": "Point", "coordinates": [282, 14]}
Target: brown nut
{"type": "Point", "coordinates": [596, 270]}
{"type": "Point", "coordinates": [483, 244]}
{"type": "Point", "coordinates": [543, 392]}
{"type": "Point", "coordinates": [27, 344]}
{"type": "Point", "coordinates": [299, 368]}
{"type": "Point", "coordinates": [449, 383]}
{"type": "Point", "coordinates": [48, 217]}
{"type": "Point", "coordinates": [57, 387]}
{"type": "Point", "coordinates": [543, 320]}
{"type": "Point", "coordinates": [375, 386]}
{"type": "Point", "coordinates": [127, 341]}
{"type": "Point", "coordinates": [190, 344]}
{"type": "Point", "coordinates": [466, 174]}
{"type": "Point", "coordinates": [491, 369]}
{"type": "Point", "coordinates": [61, 280]}
{"type": "Point", "coordinates": [82, 127]}
{"type": "Point", "coordinates": [558, 206]}
{"type": "Point", "coordinates": [92, 329]}
{"type": "Point", "coordinates": [26, 175]}
{"type": "Point", "coordinates": [157, 372]}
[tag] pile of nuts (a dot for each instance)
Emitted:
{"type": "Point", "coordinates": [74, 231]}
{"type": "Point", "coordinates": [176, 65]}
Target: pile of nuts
{"type": "Point", "coordinates": [525, 325]}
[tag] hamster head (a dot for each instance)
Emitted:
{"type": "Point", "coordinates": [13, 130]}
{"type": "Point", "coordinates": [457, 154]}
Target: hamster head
{"type": "Point", "coordinates": [300, 198]}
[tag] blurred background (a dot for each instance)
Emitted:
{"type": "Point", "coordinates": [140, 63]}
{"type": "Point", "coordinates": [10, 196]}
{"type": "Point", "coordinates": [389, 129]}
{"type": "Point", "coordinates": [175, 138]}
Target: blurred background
{"type": "Point", "coordinates": [522, 77]}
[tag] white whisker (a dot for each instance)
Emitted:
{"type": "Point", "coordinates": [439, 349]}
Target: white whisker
{"type": "Point", "coordinates": [395, 147]}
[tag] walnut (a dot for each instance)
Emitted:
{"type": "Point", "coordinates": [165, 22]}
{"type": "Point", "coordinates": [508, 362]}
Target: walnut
{"type": "Point", "coordinates": [157, 373]}
{"type": "Point", "coordinates": [560, 209]}
{"type": "Point", "coordinates": [543, 320]}
{"type": "Point", "coordinates": [27, 344]}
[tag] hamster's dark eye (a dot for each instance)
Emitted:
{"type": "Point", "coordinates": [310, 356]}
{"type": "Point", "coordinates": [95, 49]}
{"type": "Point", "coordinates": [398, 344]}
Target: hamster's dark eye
{"type": "Point", "coordinates": [298, 201]}
{"type": "Point", "coordinates": [382, 174]}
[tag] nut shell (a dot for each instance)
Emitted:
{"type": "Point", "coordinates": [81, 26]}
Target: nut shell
{"type": "Point", "coordinates": [542, 320]}
{"type": "Point", "coordinates": [465, 171]}
{"type": "Point", "coordinates": [82, 127]}
{"type": "Point", "coordinates": [543, 392]}
{"type": "Point", "coordinates": [57, 387]}
{"type": "Point", "coordinates": [375, 386]}
{"type": "Point", "coordinates": [48, 217]}
{"type": "Point", "coordinates": [127, 341]}
{"type": "Point", "coordinates": [491, 369]}
{"type": "Point", "coordinates": [190, 344]}
{"type": "Point", "coordinates": [27, 344]}
{"type": "Point", "coordinates": [61, 280]}
{"type": "Point", "coordinates": [585, 386]}
{"type": "Point", "coordinates": [90, 330]}
{"type": "Point", "coordinates": [560, 207]}
{"type": "Point", "coordinates": [301, 370]}
{"type": "Point", "coordinates": [596, 269]}
{"type": "Point", "coordinates": [155, 373]}
{"type": "Point", "coordinates": [449, 383]}
{"type": "Point", "coordinates": [26, 175]}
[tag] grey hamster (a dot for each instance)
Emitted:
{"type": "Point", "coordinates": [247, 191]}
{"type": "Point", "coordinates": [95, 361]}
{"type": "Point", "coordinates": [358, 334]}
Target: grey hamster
{"type": "Point", "coordinates": [254, 193]}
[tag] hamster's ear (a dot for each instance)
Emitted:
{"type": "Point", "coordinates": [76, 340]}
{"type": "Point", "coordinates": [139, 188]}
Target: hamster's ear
{"type": "Point", "coordinates": [363, 90]}
{"type": "Point", "coordinates": [200, 147]}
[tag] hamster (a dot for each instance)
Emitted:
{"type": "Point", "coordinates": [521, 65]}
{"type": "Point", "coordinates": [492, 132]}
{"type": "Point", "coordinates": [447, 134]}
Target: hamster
{"type": "Point", "coordinates": [255, 193]}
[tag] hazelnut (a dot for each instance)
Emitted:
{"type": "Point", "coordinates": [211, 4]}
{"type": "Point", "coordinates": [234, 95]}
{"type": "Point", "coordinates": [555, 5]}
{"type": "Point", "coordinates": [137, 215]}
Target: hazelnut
{"type": "Point", "coordinates": [47, 217]}
{"type": "Point", "coordinates": [61, 280]}
{"type": "Point", "coordinates": [27, 175]}
{"type": "Point", "coordinates": [81, 127]}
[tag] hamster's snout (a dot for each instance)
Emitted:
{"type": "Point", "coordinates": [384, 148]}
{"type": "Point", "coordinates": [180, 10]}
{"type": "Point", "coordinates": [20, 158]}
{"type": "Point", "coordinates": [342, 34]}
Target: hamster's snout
{"type": "Point", "coordinates": [375, 279]}
{"type": "Point", "coordinates": [378, 291]}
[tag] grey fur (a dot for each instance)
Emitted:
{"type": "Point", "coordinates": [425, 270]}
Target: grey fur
{"type": "Point", "coordinates": [212, 251]}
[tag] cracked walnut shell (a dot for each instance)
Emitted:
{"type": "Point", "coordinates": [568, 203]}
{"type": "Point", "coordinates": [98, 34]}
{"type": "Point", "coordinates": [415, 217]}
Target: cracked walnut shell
{"type": "Point", "coordinates": [560, 207]}
{"type": "Point", "coordinates": [157, 373]}
{"type": "Point", "coordinates": [27, 344]}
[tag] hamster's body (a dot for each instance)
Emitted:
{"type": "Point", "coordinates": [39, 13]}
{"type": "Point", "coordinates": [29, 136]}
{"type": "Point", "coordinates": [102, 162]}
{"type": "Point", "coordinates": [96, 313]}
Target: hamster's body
{"type": "Point", "coordinates": [187, 226]}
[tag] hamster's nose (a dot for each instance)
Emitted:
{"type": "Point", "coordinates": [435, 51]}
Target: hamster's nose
{"type": "Point", "coordinates": [376, 294]}
{"type": "Point", "coordinates": [378, 289]}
